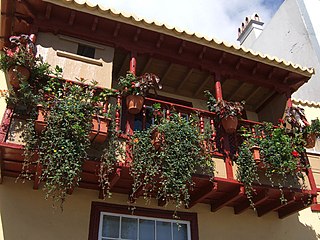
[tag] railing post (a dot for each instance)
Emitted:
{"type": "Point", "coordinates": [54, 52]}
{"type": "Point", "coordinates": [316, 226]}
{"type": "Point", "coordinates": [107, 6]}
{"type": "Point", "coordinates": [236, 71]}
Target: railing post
{"type": "Point", "coordinates": [218, 88]}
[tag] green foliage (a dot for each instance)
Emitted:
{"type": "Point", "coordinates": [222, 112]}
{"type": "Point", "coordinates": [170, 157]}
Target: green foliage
{"type": "Point", "coordinates": [20, 58]}
{"type": "Point", "coordinates": [166, 173]}
{"type": "Point", "coordinates": [281, 157]}
{"type": "Point", "coordinates": [313, 128]}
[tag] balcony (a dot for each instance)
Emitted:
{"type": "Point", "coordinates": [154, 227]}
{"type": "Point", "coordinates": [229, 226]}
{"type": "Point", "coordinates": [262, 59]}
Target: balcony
{"type": "Point", "coordinates": [223, 191]}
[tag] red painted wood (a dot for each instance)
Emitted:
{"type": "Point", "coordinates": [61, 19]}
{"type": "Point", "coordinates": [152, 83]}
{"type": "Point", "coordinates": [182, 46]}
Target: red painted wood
{"type": "Point", "coordinates": [258, 199]}
{"type": "Point", "coordinates": [228, 198]}
{"type": "Point", "coordinates": [133, 63]}
{"type": "Point", "coordinates": [5, 124]}
{"type": "Point", "coordinates": [117, 117]}
{"type": "Point", "coordinates": [203, 193]}
{"type": "Point", "coordinates": [227, 159]}
{"type": "Point", "coordinates": [315, 208]}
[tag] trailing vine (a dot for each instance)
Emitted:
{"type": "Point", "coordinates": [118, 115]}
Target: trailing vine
{"type": "Point", "coordinates": [166, 172]}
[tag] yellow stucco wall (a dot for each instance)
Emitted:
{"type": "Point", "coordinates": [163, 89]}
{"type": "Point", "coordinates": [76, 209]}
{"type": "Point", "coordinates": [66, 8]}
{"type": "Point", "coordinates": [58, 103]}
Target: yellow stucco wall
{"type": "Point", "coordinates": [61, 50]}
{"type": "Point", "coordinates": [26, 215]}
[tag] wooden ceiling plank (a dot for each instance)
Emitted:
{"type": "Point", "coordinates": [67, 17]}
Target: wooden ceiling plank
{"type": "Point", "coordinates": [265, 101]}
{"type": "Point", "coordinates": [203, 84]}
{"type": "Point", "coordinates": [203, 193]}
{"type": "Point", "coordinates": [227, 199]}
{"type": "Point", "coordinates": [146, 66]}
{"type": "Point", "coordinates": [166, 73]}
{"type": "Point", "coordinates": [124, 66]}
{"type": "Point", "coordinates": [258, 199]}
{"type": "Point", "coordinates": [185, 79]}
{"type": "Point", "coordinates": [253, 94]}
{"type": "Point", "coordinates": [237, 91]}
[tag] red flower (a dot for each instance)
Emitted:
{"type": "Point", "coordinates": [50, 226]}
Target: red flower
{"type": "Point", "coordinates": [281, 121]}
{"type": "Point", "coordinates": [295, 153]}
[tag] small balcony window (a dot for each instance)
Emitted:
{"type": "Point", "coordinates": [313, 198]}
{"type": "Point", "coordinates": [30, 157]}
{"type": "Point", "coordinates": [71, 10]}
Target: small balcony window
{"type": "Point", "coordinates": [86, 51]}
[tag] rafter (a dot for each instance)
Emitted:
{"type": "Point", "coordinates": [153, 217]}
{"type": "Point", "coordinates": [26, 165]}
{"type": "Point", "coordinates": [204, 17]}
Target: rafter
{"type": "Point", "coordinates": [72, 18]}
{"type": "Point", "coordinates": [185, 79]}
{"type": "Point", "coordinates": [239, 89]}
{"type": "Point", "coordinates": [182, 46]}
{"type": "Point", "coordinates": [160, 40]}
{"type": "Point", "coordinates": [146, 66]}
{"type": "Point", "coordinates": [166, 73]}
{"type": "Point", "coordinates": [253, 94]}
{"type": "Point", "coordinates": [258, 199]}
{"type": "Point", "coordinates": [48, 11]}
{"type": "Point", "coordinates": [228, 198]}
{"type": "Point", "coordinates": [255, 68]}
{"type": "Point", "coordinates": [203, 51]}
{"type": "Point", "coordinates": [203, 84]}
{"type": "Point", "coordinates": [94, 24]}
{"type": "Point", "coordinates": [116, 30]}
{"type": "Point", "coordinates": [136, 36]}
{"type": "Point", "coordinates": [267, 99]}
{"type": "Point", "coordinates": [239, 62]}
{"type": "Point", "coordinates": [223, 55]}
{"type": "Point", "coordinates": [203, 193]}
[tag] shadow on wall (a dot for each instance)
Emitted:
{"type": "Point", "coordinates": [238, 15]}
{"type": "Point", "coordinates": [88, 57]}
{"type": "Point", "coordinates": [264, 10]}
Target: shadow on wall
{"type": "Point", "coordinates": [25, 215]}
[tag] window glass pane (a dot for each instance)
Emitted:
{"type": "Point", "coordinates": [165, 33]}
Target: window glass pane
{"type": "Point", "coordinates": [164, 231]}
{"type": "Point", "coordinates": [146, 229]}
{"type": "Point", "coordinates": [110, 226]}
{"type": "Point", "coordinates": [129, 228]}
{"type": "Point", "coordinates": [86, 51]}
{"type": "Point", "coordinates": [180, 231]}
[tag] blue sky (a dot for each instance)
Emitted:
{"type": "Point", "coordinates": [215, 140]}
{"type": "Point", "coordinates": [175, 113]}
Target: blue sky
{"type": "Point", "coordinates": [213, 18]}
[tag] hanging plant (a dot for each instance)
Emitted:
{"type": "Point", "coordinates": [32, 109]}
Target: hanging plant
{"type": "Point", "coordinates": [281, 158]}
{"type": "Point", "coordinates": [166, 172]}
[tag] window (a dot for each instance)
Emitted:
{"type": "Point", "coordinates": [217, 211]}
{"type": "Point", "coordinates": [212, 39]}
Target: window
{"type": "Point", "coordinates": [86, 51]}
{"type": "Point", "coordinates": [110, 221]}
{"type": "Point", "coordinates": [120, 226]}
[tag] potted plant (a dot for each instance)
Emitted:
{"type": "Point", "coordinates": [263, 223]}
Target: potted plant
{"type": "Point", "coordinates": [18, 61]}
{"type": "Point", "coordinates": [311, 132]}
{"type": "Point", "coordinates": [227, 113]}
{"type": "Point", "coordinates": [166, 172]}
{"type": "Point", "coordinates": [135, 89]}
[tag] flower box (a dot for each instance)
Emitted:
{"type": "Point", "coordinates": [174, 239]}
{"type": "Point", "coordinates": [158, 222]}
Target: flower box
{"type": "Point", "coordinates": [99, 131]}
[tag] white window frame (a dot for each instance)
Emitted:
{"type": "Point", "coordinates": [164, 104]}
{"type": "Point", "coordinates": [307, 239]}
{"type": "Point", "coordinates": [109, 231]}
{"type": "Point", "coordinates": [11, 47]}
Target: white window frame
{"type": "Point", "coordinates": [102, 214]}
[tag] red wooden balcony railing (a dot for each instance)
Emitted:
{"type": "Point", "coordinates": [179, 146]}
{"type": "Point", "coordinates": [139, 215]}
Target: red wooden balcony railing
{"type": "Point", "coordinates": [223, 191]}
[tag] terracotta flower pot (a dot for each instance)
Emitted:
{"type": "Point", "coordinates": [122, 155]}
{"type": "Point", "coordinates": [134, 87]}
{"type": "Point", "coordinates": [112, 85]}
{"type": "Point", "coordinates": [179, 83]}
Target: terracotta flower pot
{"type": "Point", "coordinates": [256, 153]}
{"type": "Point", "coordinates": [230, 124]}
{"type": "Point", "coordinates": [16, 73]}
{"type": "Point", "coordinates": [311, 140]}
{"type": "Point", "coordinates": [99, 131]}
{"type": "Point", "coordinates": [156, 139]}
{"type": "Point", "coordinates": [40, 123]}
{"type": "Point", "coordinates": [134, 103]}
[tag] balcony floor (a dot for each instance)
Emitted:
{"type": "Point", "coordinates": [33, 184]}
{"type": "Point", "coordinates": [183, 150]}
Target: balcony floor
{"type": "Point", "coordinates": [219, 192]}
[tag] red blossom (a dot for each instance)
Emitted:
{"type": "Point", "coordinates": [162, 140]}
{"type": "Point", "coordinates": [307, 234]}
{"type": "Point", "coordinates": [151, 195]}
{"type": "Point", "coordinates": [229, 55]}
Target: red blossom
{"type": "Point", "coordinates": [295, 153]}
{"type": "Point", "coordinates": [281, 121]}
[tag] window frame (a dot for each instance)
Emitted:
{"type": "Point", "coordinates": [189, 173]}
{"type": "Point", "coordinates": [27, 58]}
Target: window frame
{"type": "Point", "coordinates": [97, 208]}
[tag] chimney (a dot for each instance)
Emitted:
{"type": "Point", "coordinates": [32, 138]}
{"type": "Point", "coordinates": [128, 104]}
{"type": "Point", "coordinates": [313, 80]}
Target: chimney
{"type": "Point", "coordinates": [250, 30]}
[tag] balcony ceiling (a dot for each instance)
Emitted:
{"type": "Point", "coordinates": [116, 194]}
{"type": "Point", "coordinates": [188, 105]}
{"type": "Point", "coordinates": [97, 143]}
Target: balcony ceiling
{"type": "Point", "coordinates": [186, 63]}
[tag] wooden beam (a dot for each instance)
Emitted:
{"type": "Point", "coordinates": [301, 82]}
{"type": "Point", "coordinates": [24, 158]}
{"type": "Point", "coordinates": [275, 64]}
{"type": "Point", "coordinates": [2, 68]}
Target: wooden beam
{"type": "Point", "coordinates": [294, 207]}
{"type": "Point", "coordinates": [185, 79]}
{"type": "Point", "coordinates": [28, 8]}
{"type": "Point", "coordinates": [94, 24]}
{"type": "Point", "coordinates": [271, 73]}
{"type": "Point", "coordinates": [258, 199]}
{"type": "Point", "coordinates": [48, 11]}
{"type": "Point", "coordinates": [255, 68]}
{"type": "Point", "coordinates": [146, 66]}
{"type": "Point", "coordinates": [203, 51]}
{"type": "Point", "coordinates": [116, 30]}
{"type": "Point", "coordinates": [72, 17]}
{"type": "Point", "coordinates": [136, 36]}
{"type": "Point", "coordinates": [125, 66]}
{"type": "Point", "coordinates": [166, 73]}
{"type": "Point", "coordinates": [203, 84]}
{"type": "Point", "coordinates": [221, 58]}
{"type": "Point", "coordinates": [267, 99]}
{"type": "Point", "coordinates": [203, 193]}
{"type": "Point", "coordinates": [160, 40]}
{"type": "Point", "coordinates": [228, 198]}
{"type": "Point", "coordinates": [274, 205]}
{"type": "Point", "coordinates": [239, 62]}
{"type": "Point", "coordinates": [235, 93]}
{"type": "Point", "coordinates": [253, 94]}
{"type": "Point", "coordinates": [182, 46]}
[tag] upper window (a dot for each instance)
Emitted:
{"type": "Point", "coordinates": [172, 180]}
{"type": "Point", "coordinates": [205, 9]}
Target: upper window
{"type": "Point", "coordinates": [86, 51]}
{"type": "Point", "coordinates": [111, 221]}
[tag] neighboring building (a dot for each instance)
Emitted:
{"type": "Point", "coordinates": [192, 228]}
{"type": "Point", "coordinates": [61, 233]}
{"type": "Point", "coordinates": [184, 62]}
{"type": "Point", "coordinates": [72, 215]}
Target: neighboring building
{"type": "Point", "coordinates": [292, 34]}
{"type": "Point", "coordinates": [188, 64]}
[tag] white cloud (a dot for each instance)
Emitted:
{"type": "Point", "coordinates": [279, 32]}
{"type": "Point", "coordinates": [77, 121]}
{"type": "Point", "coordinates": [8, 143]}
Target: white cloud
{"type": "Point", "coordinates": [213, 18]}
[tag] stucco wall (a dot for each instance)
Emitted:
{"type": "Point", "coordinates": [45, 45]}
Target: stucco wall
{"type": "Point", "coordinates": [287, 36]}
{"type": "Point", "coordinates": [25, 215]}
{"type": "Point", "coordinates": [61, 50]}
